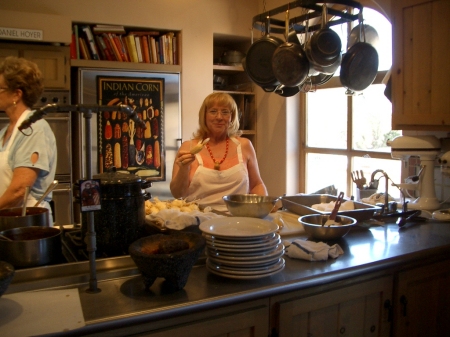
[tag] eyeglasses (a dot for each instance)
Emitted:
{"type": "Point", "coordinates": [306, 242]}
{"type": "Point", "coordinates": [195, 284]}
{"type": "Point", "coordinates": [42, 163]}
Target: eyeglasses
{"type": "Point", "coordinates": [3, 88]}
{"type": "Point", "coordinates": [215, 112]}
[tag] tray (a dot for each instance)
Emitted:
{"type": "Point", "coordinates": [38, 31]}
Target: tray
{"type": "Point", "coordinates": [301, 204]}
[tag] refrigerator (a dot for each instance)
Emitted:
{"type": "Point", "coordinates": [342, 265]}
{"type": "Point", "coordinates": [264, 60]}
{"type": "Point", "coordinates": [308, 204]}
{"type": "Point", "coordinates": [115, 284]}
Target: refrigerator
{"type": "Point", "coordinates": [154, 149]}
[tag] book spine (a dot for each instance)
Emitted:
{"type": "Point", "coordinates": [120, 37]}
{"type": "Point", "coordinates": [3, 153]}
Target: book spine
{"type": "Point", "coordinates": [77, 41]}
{"type": "Point", "coordinates": [170, 47]}
{"type": "Point", "coordinates": [84, 50]}
{"type": "Point", "coordinates": [119, 48]}
{"type": "Point", "coordinates": [161, 49]}
{"type": "Point", "coordinates": [138, 48]}
{"type": "Point", "coordinates": [158, 52]}
{"type": "Point", "coordinates": [107, 41]}
{"type": "Point", "coordinates": [103, 49]}
{"type": "Point", "coordinates": [129, 39]}
{"type": "Point", "coordinates": [90, 41]}
{"type": "Point", "coordinates": [145, 48]}
{"type": "Point", "coordinates": [125, 48]}
{"type": "Point", "coordinates": [154, 53]}
{"type": "Point", "coordinates": [174, 50]}
{"type": "Point", "coordinates": [178, 49]}
{"type": "Point", "coordinates": [73, 48]}
{"type": "Point", "coordinates": [114, 46]}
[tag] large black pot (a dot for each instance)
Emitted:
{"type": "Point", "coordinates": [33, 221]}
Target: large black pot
{"type": "Point", "coordinates": [121, 219]}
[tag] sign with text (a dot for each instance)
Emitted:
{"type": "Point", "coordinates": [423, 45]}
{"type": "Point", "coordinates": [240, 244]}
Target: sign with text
{"type": "Point", "coordinates": [121, 142]}
{"type": "Point", "coordinates": [21, 34]}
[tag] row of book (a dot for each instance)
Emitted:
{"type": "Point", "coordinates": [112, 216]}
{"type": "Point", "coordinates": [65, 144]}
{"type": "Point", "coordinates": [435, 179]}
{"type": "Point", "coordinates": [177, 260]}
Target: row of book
{"type": "Point", "coordinates": [113, 43]}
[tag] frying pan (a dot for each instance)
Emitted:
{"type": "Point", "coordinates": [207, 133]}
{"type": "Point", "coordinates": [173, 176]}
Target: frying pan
{"type": "Point", "coordinates": [258, 61]}
{"type": "Point", "coordinates": [370, 36]}
{"type": "Point", "coordinates": [359, 65]}
{"type": "Point", "coordinates": [290, 64]}
{"type": "Point", "coordinates": [324, 46]}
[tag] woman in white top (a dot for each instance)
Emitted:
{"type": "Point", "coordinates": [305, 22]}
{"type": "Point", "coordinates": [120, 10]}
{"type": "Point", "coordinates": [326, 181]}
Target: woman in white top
{"type": "Point", "coordinates": [27, 158]}
{"type": "Point", "coordinates": [227, 164]}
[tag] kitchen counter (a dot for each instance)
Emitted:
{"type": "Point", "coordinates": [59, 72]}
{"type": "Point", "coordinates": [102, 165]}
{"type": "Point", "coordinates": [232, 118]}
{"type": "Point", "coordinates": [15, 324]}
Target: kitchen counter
{"type": "Point", "coordinates": [123, 301]}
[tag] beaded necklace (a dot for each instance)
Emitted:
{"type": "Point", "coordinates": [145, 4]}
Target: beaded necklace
{"type": "Point", "coordinates": [217, 163]}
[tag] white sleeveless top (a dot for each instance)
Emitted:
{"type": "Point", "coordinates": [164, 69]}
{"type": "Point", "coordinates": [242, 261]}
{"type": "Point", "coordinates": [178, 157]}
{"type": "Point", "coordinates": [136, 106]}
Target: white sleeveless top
{"type": "Point", "coordinates": [211, 185]}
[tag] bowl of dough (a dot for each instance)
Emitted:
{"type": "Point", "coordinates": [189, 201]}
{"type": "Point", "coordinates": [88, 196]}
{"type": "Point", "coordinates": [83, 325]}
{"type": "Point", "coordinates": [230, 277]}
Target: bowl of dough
{"type": "Point", "coordinates": [250, 205]}
{"type": "Point", "coordinates": [318, 227]}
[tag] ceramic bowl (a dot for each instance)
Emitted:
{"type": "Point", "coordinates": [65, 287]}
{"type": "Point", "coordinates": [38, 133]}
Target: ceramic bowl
{"type": "Point", "coordinates": [314, 225]}
{"type": "Point", "coordinates": [170, 256]}
{"type": "Point", "coordinates": [249, 205]}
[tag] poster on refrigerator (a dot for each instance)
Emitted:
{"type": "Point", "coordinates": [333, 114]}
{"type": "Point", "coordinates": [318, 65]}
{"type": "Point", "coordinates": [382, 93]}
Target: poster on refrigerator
{"type": "Point", "coordinates": [121, 142]}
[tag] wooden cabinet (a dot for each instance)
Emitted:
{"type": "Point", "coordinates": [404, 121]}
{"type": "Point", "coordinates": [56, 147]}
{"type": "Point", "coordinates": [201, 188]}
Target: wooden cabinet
{"type": "Point", "coordinates": [232, 79]}
{"type": "Point", "coordinates": [360, 309]}
{"type": "Point", "coordinates": [53, 61]}
{"type": "Point", "coordinates": [421, 301]}
{"type": "Point", "coordinates": [247, 319]}
{"type": "Point", "coordinates": [420, 68]}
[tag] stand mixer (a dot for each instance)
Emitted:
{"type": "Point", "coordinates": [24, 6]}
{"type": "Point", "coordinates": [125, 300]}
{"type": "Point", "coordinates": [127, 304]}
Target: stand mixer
{"type": "Point", "coordinates": [427, 148]}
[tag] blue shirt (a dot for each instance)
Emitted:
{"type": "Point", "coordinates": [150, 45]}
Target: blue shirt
{"type": "Point", "coordinates": [41, 141]}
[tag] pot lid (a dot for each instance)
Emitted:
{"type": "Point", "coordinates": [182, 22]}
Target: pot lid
{"type": "Point", "coordinates": [114, 177]}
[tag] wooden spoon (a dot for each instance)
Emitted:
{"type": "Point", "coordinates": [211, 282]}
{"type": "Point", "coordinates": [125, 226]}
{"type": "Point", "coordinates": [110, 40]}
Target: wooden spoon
{"type": "Point", "coordinates": [332, 218]}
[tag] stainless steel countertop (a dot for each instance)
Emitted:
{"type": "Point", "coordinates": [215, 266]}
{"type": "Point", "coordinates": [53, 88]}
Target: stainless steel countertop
{"type": "Point", "coordinates": [124, 301]}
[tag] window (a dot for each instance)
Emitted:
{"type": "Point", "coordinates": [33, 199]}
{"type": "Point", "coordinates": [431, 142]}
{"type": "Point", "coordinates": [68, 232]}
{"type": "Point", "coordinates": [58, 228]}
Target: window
{"type": "Point", "coordinates": [348, 133]}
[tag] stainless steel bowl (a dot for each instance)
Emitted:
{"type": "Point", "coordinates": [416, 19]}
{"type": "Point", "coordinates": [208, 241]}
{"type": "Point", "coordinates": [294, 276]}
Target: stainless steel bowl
{"type": "Point", "coordinates": [249, 205]}
{"type": "Point", "coordinates": [314, 226]}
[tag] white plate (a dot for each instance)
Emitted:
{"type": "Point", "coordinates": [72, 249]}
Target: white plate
{"type": "Point", "coordinates": [278, 251]}
{"type": "Point", "coordinates": [245, 269]}
{"type": "Point", "coordinates": [248, 276]}
{"type": "Point", "coordinates": [239, 253]}
{"type": "Point", "coordinates": [239, 241]}
{"type": "Point", "coordinates": [258, 263]}
{"type": "Point", "coordinates": [244, 252]}
{"type": "Point", "coordinates": [231, 244]}
{"type": "Point", "coordinates": [236, 227]}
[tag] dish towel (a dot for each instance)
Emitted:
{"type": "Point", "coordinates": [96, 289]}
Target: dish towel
{"type": "Point", "coordinates": [311, 251]}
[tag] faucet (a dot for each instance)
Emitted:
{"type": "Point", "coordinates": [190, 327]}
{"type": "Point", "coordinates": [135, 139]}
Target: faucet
{"type": "Point", "coordinates": [372, 182]}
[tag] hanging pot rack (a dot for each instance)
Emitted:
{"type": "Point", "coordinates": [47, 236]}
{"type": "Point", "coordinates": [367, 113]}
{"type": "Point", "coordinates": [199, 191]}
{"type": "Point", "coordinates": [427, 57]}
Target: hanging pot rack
{"type": "Point", "coordinates": [314, 9]}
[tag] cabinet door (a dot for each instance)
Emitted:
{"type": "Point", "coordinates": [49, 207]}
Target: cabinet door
{"type": "Point", "coordinates": [357, 310]}
{"type": "Point", "coordinates": [422, 298]}
{"type": "Point", "coordinates": [52, 64]}
{"type": "Point", "coordinates": [420, 69]}
{"type": "Point", "coordinates": [251, 323]}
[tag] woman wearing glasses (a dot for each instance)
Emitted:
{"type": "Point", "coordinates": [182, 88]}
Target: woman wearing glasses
{"type": "Point", "coordinates": [27, 158]}
{"type": "Point", "coordinates": [227, 163]}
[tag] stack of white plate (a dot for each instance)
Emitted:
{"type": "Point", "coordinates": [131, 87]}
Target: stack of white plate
{"type": "Point", "coordinates": [242, 248]}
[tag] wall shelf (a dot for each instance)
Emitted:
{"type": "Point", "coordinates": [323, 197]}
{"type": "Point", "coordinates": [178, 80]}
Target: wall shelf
{"type": "Point", "coordinates": [161, 68]}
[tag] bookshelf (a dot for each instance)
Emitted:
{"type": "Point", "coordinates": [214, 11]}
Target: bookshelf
{"type": "Point", "coordinates": [125, 47]}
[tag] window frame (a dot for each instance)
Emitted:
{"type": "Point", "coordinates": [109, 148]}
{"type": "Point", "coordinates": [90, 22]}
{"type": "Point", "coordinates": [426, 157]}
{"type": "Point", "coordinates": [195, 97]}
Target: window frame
{"type": "Point", "coordinates": [348, 152]}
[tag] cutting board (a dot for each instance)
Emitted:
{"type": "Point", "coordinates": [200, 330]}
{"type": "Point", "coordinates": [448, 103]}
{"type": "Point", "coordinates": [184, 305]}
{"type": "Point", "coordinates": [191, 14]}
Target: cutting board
{"type": "Point", "coordinates": [40, 312]}
{"type": "Point", "coordinates": [287, 221]}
